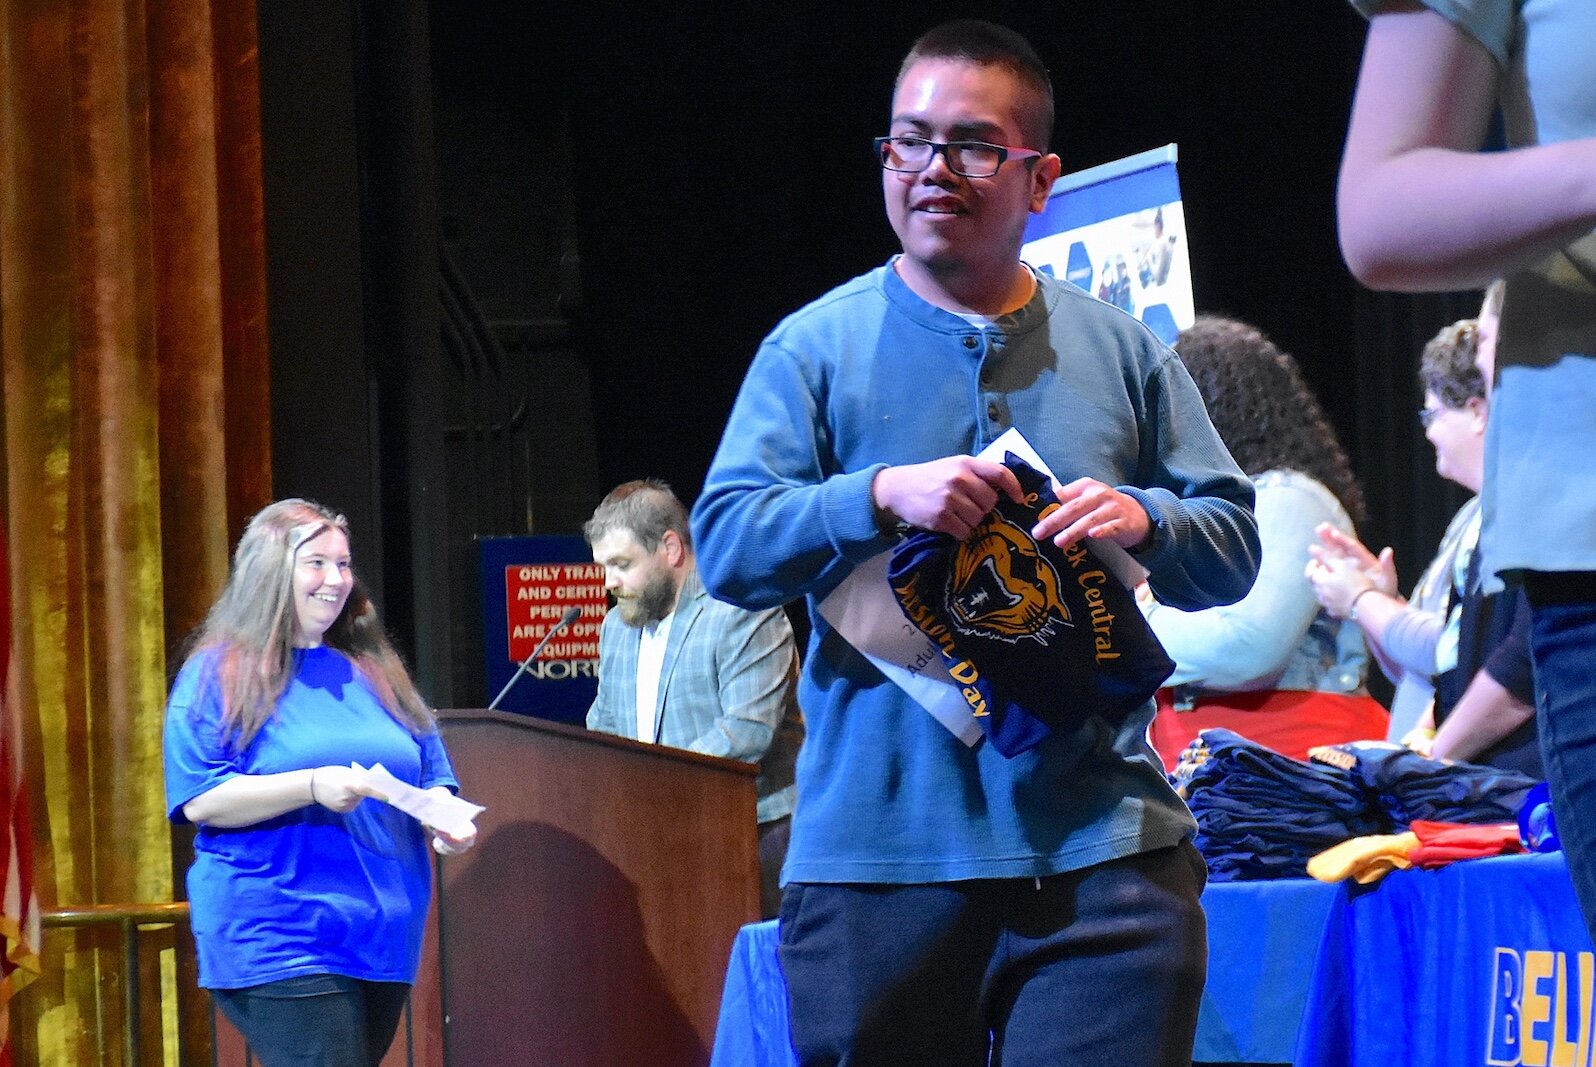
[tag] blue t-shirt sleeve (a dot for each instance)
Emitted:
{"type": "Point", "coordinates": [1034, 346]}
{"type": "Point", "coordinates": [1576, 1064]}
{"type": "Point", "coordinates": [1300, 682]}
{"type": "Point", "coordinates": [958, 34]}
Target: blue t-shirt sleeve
{"type": "Point", "coordinates": [194, 755]}
{"type": "Point", "coordinates": [436, 769]}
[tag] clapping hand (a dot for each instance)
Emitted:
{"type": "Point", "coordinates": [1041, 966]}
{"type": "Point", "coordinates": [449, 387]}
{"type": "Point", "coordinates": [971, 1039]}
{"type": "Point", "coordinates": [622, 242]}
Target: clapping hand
{"type": "Point", "coordinates": [1341, 568]}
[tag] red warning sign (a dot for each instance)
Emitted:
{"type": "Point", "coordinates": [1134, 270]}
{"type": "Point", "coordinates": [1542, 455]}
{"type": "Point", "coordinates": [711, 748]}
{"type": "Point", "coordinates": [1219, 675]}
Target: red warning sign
{"type": "Point", "coordinates": [536, 596]}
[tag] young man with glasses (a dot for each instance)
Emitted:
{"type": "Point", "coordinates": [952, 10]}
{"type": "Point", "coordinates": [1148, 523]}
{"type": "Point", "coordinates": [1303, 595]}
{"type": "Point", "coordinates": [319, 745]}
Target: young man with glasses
{"type": "Point", "coordinates": [945, 904]}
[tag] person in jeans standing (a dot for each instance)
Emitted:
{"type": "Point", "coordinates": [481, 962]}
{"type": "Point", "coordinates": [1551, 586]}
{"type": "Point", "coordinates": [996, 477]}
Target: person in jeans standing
{"type": "Point", "coordinates": [944, 904]}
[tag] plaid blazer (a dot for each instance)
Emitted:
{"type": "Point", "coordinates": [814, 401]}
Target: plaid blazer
{"type": "Point", "coordinates": [728, 687]}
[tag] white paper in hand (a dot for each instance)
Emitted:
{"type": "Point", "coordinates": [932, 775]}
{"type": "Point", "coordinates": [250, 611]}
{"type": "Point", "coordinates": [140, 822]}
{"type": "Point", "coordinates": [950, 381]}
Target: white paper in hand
{"type": "Point", "coordinates": [863, 610]}
{"type": "Point", "coordinates": [441, 811]}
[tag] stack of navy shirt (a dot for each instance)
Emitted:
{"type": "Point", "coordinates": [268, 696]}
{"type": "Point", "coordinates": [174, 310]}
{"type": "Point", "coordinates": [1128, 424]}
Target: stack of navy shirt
{"type": "Point", "coordinates": [1410, 787]}
{"type": "Point", "coordinates": [1262, 815]}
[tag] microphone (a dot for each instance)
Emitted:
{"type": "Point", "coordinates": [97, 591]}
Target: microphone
{"type": "Point", "coordinates": [566, 618]}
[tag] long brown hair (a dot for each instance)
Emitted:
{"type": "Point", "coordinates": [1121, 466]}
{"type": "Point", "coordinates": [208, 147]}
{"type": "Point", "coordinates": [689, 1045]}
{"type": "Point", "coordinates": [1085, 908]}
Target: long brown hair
{"type": "Point", "coordinates": [251, 627]}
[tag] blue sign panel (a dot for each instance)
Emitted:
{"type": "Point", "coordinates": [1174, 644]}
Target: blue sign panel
{"type": "Point", "coordinates": [530, 585]}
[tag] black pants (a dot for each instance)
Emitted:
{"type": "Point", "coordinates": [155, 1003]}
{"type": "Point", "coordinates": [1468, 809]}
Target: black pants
{"type": "Point", "coordinates": [319, 1020]}
{"type": "Point", "coordinates": [1100, 966]}
{"type": "Point", "coordinates": [773, 838]}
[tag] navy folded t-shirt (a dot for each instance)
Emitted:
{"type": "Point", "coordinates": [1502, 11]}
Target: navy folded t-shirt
{"type": "Point", "coordinates": [1038, 637]}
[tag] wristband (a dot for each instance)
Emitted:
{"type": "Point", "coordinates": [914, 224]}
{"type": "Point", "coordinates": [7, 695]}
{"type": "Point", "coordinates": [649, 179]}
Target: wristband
{"type": "Point", "coordinates": [1352, 608]}
{"type": "Point", "coordinates": [313, 799]}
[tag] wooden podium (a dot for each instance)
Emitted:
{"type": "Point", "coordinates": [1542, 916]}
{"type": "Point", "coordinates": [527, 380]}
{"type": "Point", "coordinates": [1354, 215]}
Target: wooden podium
{"type": "Point", "coordinates": [591, 924]}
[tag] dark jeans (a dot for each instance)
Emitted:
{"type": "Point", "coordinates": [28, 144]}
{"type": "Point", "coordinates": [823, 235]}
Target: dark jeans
{"type": "Point", "coordinates": [1100, 966]}
{"type": "Point", "coordinates": [320, 1020]}
{"type": "Point", "coordinates": [1563, 641]}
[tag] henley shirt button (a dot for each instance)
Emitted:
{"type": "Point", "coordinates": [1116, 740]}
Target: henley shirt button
{"type": "Point", "coordinates": [970, 342]}
{"type": "Point", "coordinates": [994, 412]}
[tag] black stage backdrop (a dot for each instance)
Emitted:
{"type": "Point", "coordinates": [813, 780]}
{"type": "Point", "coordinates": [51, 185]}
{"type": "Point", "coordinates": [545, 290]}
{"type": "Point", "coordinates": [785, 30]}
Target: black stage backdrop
{"type": "Point", "coordinates": [634, 194]}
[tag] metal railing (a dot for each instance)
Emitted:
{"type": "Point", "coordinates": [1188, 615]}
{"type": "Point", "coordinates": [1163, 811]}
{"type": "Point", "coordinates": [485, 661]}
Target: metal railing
{"type": "Point", "coordinates": [130, 918]}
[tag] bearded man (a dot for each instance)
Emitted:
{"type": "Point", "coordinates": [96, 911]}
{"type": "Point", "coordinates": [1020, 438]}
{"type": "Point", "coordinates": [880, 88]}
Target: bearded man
{"type": "Point", "coordinates": [679, 668]}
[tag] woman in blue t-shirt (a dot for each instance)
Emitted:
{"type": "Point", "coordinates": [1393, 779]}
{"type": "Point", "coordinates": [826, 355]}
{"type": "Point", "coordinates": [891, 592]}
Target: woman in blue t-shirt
{"type": "Point", "coordinates": [307, 893]}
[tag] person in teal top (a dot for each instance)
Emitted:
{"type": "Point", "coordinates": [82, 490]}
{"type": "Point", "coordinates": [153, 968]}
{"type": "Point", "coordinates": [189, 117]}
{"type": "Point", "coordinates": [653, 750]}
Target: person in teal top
{"type": "Point", "coordinates": [1422, 208]}
{"type": "Point", "coordinates": [307, 894]}
{"type": "Point", "coordinates": [944, 904]}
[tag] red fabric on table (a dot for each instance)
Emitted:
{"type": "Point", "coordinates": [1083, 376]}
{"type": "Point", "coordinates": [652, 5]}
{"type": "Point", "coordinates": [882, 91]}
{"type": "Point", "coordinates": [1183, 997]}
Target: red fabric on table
{"type": "Point", "coordinates": [1288, 721]}
{"type": "Point", "coordinates": [1441, 843]}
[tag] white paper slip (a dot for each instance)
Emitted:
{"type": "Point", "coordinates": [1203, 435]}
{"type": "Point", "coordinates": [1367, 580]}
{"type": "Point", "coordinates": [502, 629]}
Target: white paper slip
{"type": "Point", "coordinates": [865, 612]}
{"type": "Point", "coordinates": [441, 811]}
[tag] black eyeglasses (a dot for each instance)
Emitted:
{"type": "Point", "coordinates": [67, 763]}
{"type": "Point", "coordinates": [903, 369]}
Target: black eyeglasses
{"type": "Point", "coordinates": [968, 159]}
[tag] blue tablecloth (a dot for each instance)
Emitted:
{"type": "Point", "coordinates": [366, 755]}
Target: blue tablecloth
{"type": "Point", "coordinates": [1484, 962]}
{"type": "Point", "coordinates": [1262, 940]}
{"type": "Point", "coordinates": [752, 1031]}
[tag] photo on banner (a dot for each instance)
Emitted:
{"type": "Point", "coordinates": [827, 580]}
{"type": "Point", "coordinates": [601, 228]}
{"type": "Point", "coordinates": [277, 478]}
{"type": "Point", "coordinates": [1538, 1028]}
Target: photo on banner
{"type": "Point", "coordinates": [1118, 231]}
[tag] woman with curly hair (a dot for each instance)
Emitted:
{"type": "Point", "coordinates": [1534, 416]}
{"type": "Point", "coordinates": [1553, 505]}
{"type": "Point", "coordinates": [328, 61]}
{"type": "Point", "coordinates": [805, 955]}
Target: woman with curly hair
{"type": "Point", "coordinates": [1274, 667]}
{"type": "Point", "coordinates": [308, 896]}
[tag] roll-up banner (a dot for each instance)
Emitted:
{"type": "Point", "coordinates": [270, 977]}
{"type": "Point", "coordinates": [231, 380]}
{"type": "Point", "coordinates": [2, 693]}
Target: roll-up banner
{"type": "Point", "coordinates": [1118, 231]}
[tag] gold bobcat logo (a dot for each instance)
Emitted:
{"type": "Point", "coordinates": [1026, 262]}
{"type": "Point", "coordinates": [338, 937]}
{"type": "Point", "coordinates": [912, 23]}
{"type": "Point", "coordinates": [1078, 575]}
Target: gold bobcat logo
{"type": "Point", "coordinates": [1002, 587]}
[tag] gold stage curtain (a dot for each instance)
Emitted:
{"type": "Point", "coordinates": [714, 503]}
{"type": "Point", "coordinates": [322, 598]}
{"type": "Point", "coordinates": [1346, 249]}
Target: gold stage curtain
{"type": "Point", "coordinates": [136, 443]}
